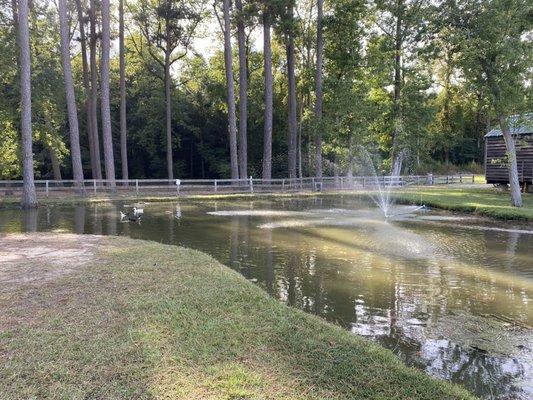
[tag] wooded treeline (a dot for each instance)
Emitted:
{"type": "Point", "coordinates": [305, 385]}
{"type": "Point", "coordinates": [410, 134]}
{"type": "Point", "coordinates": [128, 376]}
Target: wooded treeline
{"type": "Point", "coordinates": [292, 88]}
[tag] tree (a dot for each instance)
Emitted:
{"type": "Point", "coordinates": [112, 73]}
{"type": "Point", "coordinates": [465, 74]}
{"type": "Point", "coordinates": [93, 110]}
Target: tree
{"type": "Point", "coordinates": [243, 92]}
{"type": "Point", "coordinates": [91, 130]}
{"type": "Point", "coordinates": [319, 93]}
{"type": "Point", "coordinates": [94, 89]}
{"type": "Point", "coordinates": [228, 63]}
{"type": "Point", "coordinates": [122, 67]}
{"type": "Point", "coordinates": [496, 55]}
{"type": "Point", "coordinates": [267, 56]}
{"type": "Point", "coordinates": [29, 196]}
{"type": "Point", "coordinates": [402, 21]}
{"type": "Point", "coordinates": [397, 110]}
{"type": "Point", "coordinates": [109, 159]}
{"type": "Point", "coordinates": [166, 27]}
{"type": "Point", "coordinates": [75, 153]}
{"type": "Point", "coordinates": [435, 99]}
{"type": "Point", "coordinates": [448, 119]}
{"type": "Point", "coordinates": [291, 78]}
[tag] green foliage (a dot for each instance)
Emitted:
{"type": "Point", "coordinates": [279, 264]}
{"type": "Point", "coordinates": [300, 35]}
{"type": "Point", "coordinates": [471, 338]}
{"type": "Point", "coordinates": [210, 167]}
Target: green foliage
{"type": "Point", "coordinates": [459, 61]}
{"type": "Point", "coordinates": [9, 151]}
{"type": "Point", "coordinates": [496, 48]}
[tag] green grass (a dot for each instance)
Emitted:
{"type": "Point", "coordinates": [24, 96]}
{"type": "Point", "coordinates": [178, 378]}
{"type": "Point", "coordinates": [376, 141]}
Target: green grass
{"type": "Point", "coordinates": [151, 321]}
{"type": "Point", "coordinates": [483, 200]}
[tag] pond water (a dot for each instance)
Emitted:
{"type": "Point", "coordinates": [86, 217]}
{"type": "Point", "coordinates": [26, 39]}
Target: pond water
{"type": "Point", "coordinates": [450, 294]}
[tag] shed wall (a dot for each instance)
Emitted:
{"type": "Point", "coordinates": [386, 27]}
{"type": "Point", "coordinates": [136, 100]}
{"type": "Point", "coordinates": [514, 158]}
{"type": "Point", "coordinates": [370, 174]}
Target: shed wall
{"type": "Point", "coordinates": [496, 170]}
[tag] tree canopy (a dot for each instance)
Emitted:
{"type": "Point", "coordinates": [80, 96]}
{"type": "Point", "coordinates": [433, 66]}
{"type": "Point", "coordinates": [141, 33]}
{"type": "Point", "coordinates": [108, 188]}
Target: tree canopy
{"type": "Point", "coordinates": [419, 77]}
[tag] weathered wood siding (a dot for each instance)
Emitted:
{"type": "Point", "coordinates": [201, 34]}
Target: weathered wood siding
{"type": "Point", "coordinates": [495, 154]}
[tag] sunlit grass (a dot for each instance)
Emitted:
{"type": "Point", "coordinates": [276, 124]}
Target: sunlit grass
{"type": "Point", "coordinates": [484, 200]}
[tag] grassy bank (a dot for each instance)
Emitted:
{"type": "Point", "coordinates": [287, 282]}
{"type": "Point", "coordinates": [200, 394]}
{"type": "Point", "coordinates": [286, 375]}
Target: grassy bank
{"type": "Point", "coordinates": [134, 319]}
{"type": "Point", "coordinates": [483, 200]}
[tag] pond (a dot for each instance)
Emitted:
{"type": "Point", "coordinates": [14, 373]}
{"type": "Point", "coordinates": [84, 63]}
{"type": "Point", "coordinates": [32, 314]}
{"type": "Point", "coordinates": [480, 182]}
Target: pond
{"type": "Point", "coordinates": [447, 293]}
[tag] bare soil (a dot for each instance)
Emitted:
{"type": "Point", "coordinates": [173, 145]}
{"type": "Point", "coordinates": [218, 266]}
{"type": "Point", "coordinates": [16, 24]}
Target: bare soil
{"type": "Point", "coordinates": [40, 258]}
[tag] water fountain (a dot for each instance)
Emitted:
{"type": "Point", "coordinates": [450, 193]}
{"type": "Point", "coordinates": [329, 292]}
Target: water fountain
{"type": "Point", "coordinates": [380, 191]}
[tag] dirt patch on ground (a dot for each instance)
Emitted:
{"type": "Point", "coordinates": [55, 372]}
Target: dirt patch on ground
{"type": "Point", "coordinates": [40, 258]}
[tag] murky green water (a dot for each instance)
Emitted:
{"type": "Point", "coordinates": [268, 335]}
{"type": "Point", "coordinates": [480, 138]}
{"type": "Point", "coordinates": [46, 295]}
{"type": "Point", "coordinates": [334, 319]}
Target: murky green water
{"type": "Point", "coordinates": [449, 294]}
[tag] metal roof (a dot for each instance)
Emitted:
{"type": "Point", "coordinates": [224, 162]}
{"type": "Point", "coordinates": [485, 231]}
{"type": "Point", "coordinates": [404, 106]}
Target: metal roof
{"type": "Point", "coordinates": [518, 125]}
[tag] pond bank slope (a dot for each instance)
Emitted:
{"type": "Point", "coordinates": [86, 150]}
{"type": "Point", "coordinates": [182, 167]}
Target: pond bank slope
{"type": "Point", "coordinates": [110, 317]}
{"type": "Point", "coordinates": [477, 199]}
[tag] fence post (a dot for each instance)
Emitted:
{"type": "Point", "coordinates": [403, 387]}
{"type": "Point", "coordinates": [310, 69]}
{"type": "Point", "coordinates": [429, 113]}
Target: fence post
{"type": "Point", "coordinates": [216, 185]}
{"type": "Point", "coordinates": [418, 180]}
{"type": "Point", "coordinates": [473, 178]}
{"type": "Point", "coordinates": [447, 180]}
{"type": "Point", "coordinates": [94, 186]}
{"type": "Point", "coordinates": [283, 185]}
{"type": "Point", "coordinates": [460, 178]}
{"type": "Point", "coordinates": [313, 183]}
{"type": "Point", "coordinates": [251, 185]}
{"type": "Point", "coordinates": [47, 188]}
{"type": "Point", "coordinates": [137, 186]}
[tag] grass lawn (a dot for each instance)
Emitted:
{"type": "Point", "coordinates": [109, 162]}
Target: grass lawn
{"type": "Point", "coordinates": [115, 318]}
{"type": "Point", "coordinates": [484, 200]}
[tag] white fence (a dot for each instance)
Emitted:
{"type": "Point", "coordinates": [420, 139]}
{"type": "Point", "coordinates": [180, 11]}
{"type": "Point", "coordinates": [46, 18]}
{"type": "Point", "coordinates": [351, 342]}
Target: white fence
{"type": "Point", "coordinates": [142, 187]}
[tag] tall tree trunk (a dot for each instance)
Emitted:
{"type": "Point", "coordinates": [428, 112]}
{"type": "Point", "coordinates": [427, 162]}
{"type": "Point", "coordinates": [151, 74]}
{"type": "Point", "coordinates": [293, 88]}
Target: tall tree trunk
{"type": "Point", "coordinates": [94, 91]}
{"type": "Point", "coordinates": [267, 135]}
{"type": "Point", "coordinates": [75, 153]}
{"type": "Point", "coordinates": [397, 111]}
{"type": "Point", "coordinates": [29, 196]}
{"type": "Point", "coordinates": [232, 119]}
{"type": "Point", "coordinates": [336, 171]}
{"type": "Point", "coordinates": [293, 125]}
{"type": "Point", "coordinates": [56, 170]}
{"type": "Point", "coordinates": [243, 93]}
{"type": "Point", "coordinates": [86, 87]}
{"type": "Point", "coordinates": [300, 169]}
{"type": "Point", "coordinates": [168, 103]}
{"type": "Point", "coordinates": [514, 183]}
{"type": "Point", "coordinates": [168, 116]}
{"type": "Point", "coordinates": [122, 66]}
{"type": "Point", "coordinates": [105, 106]}
{"type": "Point", "coordinates": [516, 196]}
{"type": "Point", "coordinates": [319, 93]}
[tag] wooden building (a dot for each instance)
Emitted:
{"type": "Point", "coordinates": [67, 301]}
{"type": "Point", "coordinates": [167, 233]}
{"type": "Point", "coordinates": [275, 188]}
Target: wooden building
{"type": "Point", "coordinates": [496, 171]}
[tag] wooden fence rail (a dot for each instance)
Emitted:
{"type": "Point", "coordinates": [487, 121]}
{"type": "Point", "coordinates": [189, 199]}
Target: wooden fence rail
{"type": "Point", "coordinates": [94, 187]}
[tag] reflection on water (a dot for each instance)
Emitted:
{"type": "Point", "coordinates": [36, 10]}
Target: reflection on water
{"type": "Point", "coordinates": [445, 294]}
